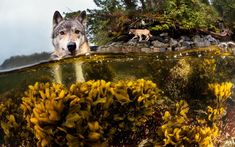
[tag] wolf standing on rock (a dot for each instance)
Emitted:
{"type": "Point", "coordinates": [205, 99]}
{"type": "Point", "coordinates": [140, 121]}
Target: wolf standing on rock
{"type": "Point", "coordinates": [68, 36]}
{"type": "Point", "coordinates": [139, 33]}
{"type": "Point", "coordinates": [69, 39]}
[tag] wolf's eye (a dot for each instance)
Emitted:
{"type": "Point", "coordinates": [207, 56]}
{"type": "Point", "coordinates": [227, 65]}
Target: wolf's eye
{"type": "Point", "coordinates": [61, 32]}
{"type": "Point", "coordinates": [77, 31]}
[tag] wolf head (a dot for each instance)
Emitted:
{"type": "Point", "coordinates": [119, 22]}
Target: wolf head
{"type": "Point", "coordinates": [68, 36]}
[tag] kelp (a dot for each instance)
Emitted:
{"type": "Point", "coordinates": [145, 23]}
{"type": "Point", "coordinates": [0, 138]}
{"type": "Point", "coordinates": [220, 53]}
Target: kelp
{"type": "Point", "coordinates": [203, 130]}
{"type": "Point", "coordinates": [102, 113]}
{"type": "Point", "coordinates": [87, 113]}
{"type": "Point", "coordinates": [13, 128]}
{"type": "Point", "coordinates": [178, 129]}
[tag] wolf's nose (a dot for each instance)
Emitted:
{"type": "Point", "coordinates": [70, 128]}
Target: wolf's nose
{"type": "Point", "coordinates": [71, 46]}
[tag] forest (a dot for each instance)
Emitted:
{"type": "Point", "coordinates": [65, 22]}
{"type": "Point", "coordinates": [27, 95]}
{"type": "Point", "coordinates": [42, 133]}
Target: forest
{"type": "Point", "coordinates": [113, 18]}
{"type": "Point", "coordinates": [22, 60]}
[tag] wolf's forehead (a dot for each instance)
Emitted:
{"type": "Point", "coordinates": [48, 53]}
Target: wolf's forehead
{"type": "Point", "coordinates": [70, 25]}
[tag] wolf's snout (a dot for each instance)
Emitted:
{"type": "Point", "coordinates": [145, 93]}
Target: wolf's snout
{"type": "Point", "coordinates": [71, 46]}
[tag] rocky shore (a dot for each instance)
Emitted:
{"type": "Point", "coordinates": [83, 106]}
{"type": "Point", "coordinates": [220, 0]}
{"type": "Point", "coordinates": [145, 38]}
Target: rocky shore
{"type": "Point", "coordinates": [163, 42]}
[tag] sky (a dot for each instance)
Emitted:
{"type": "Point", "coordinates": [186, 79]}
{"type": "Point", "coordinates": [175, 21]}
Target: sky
{"type": "Point", "coordinates": [26, 25]}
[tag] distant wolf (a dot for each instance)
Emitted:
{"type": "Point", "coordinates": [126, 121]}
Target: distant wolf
{"type": "Point", "coordinates": [69, 39]}
{"type": "Point", "coordinates": [68, 36]}
{"type": "Point", "coordinates": [139, 33]}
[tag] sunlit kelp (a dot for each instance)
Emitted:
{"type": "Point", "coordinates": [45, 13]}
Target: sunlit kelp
{"type": "Point", "coordinates": [182, 126]}
{"type": "Point", "coordinates": [92, 112]}
{"type": "Point", "coordinates": [179, 129]}
{"type": "Point", "coordinates": [112, 113]}
{"type": "Point", "coordinates": [220, 93]}
{"type": "Point", "coordinates": [175, 127]}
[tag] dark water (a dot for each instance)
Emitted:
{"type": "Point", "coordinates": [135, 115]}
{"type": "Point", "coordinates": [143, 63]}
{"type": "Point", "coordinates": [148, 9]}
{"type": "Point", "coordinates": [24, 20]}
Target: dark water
{"type": "Point", "coordinates": [120, 66]}
{"type": "Point", "coordinates": [180, 74]}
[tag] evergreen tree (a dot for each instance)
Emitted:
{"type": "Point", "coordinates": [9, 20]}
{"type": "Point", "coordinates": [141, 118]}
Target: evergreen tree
{"type": "Point", "coordinates": [107, 21]}
{"type": "Point", "coordinates": [226, 9]}
{"type": "Point", "coordinates": [114, 18]}
{"type": "Point", "coordinates": [130, 4]}
{"type": "Point", "coordinates": [189, 14]}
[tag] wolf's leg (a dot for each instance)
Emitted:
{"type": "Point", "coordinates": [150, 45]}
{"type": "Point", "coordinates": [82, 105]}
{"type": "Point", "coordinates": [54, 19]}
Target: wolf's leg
{"type": "Point", "coordinates": [140, 36]}
{"type": "Point", "coordinates": [147, 37]}
{"type": "Point", "coordinates": [78, 71]}
{"type": "Point", "coordinates": [57, 73]}
{"type": "Point", "coordinates": [134, 37]}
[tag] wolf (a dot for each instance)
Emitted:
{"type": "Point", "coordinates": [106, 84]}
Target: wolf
{"type": "Point", "coordinates": [69, 39]}
{"type": "Point", "coordinates": [139, 33]}
{"type": "Point", "coordinates": [68, 36]}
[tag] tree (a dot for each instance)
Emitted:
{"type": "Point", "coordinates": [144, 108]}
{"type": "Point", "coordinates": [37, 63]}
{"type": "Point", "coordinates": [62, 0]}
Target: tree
{"type": "Point", "coordinates": [114, 18]}
{"type": "Point", "coordinates": [189, 14]}
{"type": "Point", "coordinates": [207, 2]}
{"type": "Point", "coordinates": [107, 22]}
{"type": "Point", "coordinates": [129, 4]}
{"type": "Point", "coordinates": [226, 9]}
{"type": "Point", "coordinates": [154, 5]}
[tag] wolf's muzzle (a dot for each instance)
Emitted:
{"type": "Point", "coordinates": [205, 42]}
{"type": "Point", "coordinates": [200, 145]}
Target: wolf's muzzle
{"type": "Point", "coordinates": [72, 47]}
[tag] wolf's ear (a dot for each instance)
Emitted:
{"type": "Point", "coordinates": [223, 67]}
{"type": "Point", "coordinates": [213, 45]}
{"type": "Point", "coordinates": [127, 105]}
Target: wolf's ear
{"type": "Point", "coordinates": [82, 18]}
{"type": "Point", "coordinates": [57, 18]}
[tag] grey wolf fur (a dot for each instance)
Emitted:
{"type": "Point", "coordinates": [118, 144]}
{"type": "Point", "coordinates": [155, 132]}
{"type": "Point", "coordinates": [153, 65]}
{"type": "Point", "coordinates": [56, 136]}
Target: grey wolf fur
{"type": "Point", "coordinates": [139, 33]}
{"type": "Point", "coordinates": [68, 36]}
{"type": "Point", "coordinates": [69, 39]}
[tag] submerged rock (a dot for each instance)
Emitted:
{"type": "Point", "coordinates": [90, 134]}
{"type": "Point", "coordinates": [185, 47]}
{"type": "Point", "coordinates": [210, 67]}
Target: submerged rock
{"type": "Point", "coordinates": [177, 79]}
{"type": "Point", "coordinates": [181, 70]}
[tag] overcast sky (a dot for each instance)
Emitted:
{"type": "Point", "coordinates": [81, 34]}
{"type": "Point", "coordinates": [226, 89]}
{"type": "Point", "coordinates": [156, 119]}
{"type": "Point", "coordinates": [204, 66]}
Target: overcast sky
{"type": "Point", "coordinates": [25, 25]}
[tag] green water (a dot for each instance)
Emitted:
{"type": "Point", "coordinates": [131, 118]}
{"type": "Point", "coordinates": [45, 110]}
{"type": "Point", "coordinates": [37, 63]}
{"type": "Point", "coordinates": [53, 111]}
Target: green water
{"type": "Point", "coordinates": [180, 75]}
{"type": "Point", "coordinates": [114, 67]}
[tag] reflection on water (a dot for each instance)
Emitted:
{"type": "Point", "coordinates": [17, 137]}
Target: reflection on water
{"type": "Point", "coordinates": [179, 75]}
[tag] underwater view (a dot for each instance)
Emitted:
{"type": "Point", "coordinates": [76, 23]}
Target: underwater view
{"type": "Point", "coordinates": [183, 98]}
{"type": "Point", "coordinates": [117, 73]}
